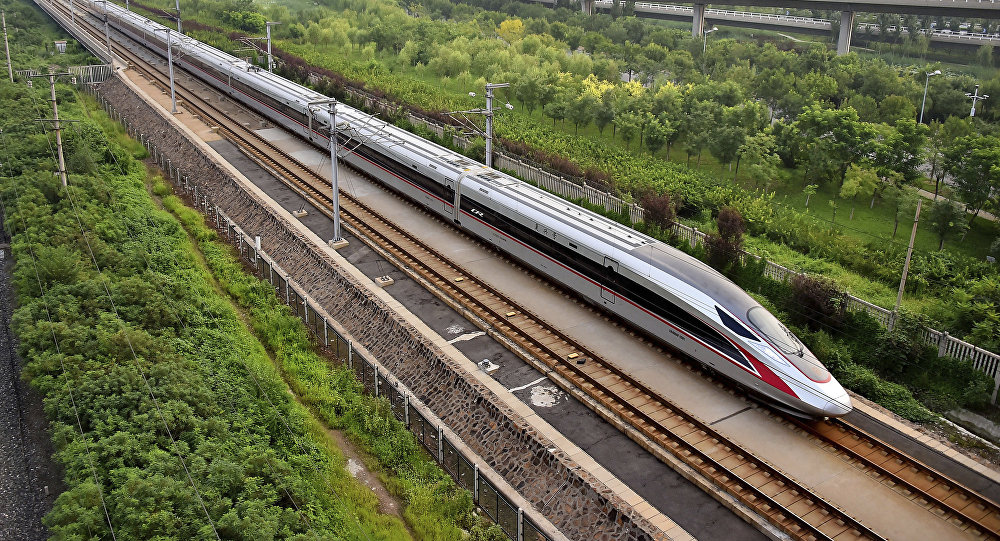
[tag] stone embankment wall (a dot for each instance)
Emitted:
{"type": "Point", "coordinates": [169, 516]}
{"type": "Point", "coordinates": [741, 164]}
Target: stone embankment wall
{"type": "Point", "coordinates": [577, 503]}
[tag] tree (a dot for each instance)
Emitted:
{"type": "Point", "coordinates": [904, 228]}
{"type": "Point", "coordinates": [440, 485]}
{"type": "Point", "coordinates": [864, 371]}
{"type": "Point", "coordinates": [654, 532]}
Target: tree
{"type": "Point", "coordinates": [511, 30]}
{"type": "Point", "coordinates": [894, 108]}
{"type": "Point", "coordinates": [833, 137]}
{"type": "Point", "coordinates": [698, 124]}
{"type": "Point", "coordinates": [581, 111]}
{"type": "Point", "coordinates": [810, 191]}
{"type": "Point", "coordinates": [940, 139]}
{"type": "Point", "coordinates": [947, 219]}
{"type": "Point", "coordinates": [628, 124]}
{"type": "Point", "coordinates": [761, 160]}
{"type": "Point", "coordinates": [974, 163]}
{"type": "Point", "coordinates": [724, 247]}
{"type": "Point", "coordinates": [532, 87]}
{"type": "Point", "coordinates": [557, 109]}
{"type": "Point", "coordinates": [659, 210]}
{"type": "Point", "coordinates": [604, 114]}
{"type": "Point", "coordinates": [725, 142]}
{"type": "Point", "coordinates": [858, 181]}
{"type": "Point", "coordinates": [657, 134]}
{"type": "Point", "coordinates": [904, 203]}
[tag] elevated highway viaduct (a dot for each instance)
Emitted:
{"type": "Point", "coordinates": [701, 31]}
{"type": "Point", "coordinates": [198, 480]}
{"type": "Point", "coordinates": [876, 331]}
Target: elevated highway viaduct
{"type": "Point", "coordinates": [982, 9]}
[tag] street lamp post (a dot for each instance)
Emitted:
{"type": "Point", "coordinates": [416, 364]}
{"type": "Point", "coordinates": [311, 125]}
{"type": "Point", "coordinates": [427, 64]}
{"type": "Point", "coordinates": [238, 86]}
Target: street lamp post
{"type": "Point", "coordinates": [704, 42]}
{"type": "Point", "coordinates": [926, 83]}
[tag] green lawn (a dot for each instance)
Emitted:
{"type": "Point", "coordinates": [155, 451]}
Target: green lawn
{"type": "Point", "coordinates": [876, 224]}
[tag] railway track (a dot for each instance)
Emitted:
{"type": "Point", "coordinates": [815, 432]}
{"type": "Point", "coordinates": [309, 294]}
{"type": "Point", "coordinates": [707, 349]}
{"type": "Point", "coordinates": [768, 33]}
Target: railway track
{"type": "Point", "coordinates": [784, 503]}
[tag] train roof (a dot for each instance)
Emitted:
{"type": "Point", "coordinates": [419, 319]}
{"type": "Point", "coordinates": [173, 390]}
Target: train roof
{"type": "Point", "coordinates": [562, 211]}
{"type": "Point", "coordinates": [698, 275]}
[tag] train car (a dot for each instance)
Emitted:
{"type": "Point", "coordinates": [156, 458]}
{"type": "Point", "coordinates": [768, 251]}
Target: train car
{"type": "Point", "coordinates": [656, 288]}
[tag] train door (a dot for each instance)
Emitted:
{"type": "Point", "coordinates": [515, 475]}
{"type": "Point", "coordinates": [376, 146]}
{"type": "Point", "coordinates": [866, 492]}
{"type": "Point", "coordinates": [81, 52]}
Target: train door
{"type": "Point", "coordinates": [610, 280]}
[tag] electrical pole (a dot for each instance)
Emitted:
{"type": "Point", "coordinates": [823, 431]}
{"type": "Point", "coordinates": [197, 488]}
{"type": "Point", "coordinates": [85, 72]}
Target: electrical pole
{"type": "Point", "coordinates": [270, 59]}
{"type": "Point", "coordinates": [72, 12]}
{"type": "Point", "coordinates": [333, 164]}
{"type": "Point", "coordinates": [488, 113]}
{"type": "Point", "coordinates": [178, 4]}
{"type": "Point", "coordinates": [489, 120]}
{"type": "Point", "coordinates": [337, 241]}
{"type": "Point", "coordinates": [6, 47]}
{"type": "Point", "coordinates": [55, 119]}
{"type": "Point", "coordinates": [107, 32]}
{"type": "Point", "coordinates": [170, 70]}
{"type": "Point", "coordinates": [906, 265]}
{"type": "Point", "coordinates": [976, 96]}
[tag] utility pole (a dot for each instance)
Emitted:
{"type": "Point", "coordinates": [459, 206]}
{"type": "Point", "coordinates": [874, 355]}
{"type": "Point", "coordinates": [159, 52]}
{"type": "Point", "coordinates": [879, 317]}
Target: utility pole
{"type": "Point", "coordinates": [170, 70]}
{"type": "Point", "coordinates": [975, 97]}
{"type": "Point", "coordinates": [270, 59]}
{"type": "Point", "coordinates": [107, 32]}
{"type": "Point", "coordinates": [337, 241]}
{"type": "Point", "coordinates": [906, 265]}
{"type": "Point", "coordinates": [178, 4]}
{"type": "Point", "coordinates": [55, 119]}
{"type": "Point", "coordinates": [6, 47]}
{"type": "Point", "coordinates": [463, 118]}
{"type": "Point", "coordinates": [333, 165]}
{"type": "Point", "coordinates": [489, 120]}
{"type": "Point", "coordinates": [72, 12]}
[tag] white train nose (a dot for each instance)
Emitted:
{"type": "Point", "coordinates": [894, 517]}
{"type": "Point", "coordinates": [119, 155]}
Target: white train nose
{"type": "Point", "coordinates": [838, 405]}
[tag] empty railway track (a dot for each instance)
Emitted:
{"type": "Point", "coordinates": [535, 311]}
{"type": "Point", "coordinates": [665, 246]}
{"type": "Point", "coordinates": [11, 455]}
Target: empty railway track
{"type": "Point", "coordinates": [764, 489]}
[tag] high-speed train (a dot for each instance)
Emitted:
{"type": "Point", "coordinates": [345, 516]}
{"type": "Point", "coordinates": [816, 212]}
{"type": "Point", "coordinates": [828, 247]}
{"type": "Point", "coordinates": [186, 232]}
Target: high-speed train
{"type": "Point", "coordinates": [659, 290]}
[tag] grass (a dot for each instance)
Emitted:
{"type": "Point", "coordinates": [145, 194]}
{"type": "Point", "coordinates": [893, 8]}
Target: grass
{"type": "Point", "coordinates": [436, 508]}
{"type": "Point", "coordinates": [876, 224]}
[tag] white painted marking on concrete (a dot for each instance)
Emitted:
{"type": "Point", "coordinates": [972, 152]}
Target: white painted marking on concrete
{"type": "Point", "coordinates": [454, 329]}
{"type": "Point", "coordinates": [466, 336]}
{"type": "Point", "coordinates": [525, 386]}
{"type": "Point", "coordinates": [545, 396]}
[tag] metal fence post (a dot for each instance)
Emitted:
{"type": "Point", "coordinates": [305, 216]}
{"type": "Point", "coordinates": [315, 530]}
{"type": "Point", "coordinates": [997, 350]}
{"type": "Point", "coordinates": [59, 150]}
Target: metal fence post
{"type": "Point", "coordinates": [326, 334]}
{"type": "Point", "coordinates": [475, 483]}
{"type": "Point", "coordinates": [520, 524]}
{"type": "Point", "coordinates": [440, 445]}
{"type": "Point", "coordinates": [406, 410]}
{"type": "Point", "coordinates": [376, 379]}
{"type": "Point", "coordinates": [350, 354]}
{"type": "Point", "coordinates": [288, 301]}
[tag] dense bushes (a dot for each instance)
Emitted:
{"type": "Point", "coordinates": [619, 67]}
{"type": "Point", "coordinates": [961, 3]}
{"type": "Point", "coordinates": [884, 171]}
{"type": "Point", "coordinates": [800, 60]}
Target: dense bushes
{"type": "Point", "coordinates": [262, 465]}
{"type": "Point", "coordinates": [168, 336]}
{"type": "Point", "coordinates": [436, 506]}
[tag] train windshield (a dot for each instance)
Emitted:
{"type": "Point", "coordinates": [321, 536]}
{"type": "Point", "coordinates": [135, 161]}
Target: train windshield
{"type": "Point", "coordinates": [788, 343]}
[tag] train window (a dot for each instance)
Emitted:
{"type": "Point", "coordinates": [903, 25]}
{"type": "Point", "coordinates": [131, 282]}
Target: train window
{"type": "Point", "coordinates": [773, 330]}
{"type": "Point", "coordinates": [735, 326]}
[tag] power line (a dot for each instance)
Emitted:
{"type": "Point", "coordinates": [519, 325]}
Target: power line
{"type": "Point", "coordinates": [62, 365]}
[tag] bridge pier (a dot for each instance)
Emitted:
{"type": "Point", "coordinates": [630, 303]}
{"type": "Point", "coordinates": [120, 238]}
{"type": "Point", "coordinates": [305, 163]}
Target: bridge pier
{"type": "Point", "coordinates": [698, 25]}
{"type": "Point", "coordinates": [587, 6]}
{"type": "Point", "coordinates": [846, 30]}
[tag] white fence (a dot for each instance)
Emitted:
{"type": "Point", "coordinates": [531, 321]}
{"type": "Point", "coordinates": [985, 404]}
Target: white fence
{"type": "Point", "coordinates": [946, 344]}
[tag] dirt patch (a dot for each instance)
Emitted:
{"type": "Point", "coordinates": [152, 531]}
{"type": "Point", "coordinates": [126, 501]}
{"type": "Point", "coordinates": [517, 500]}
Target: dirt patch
{"type": "Point", "coordinates": [388, 504]}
